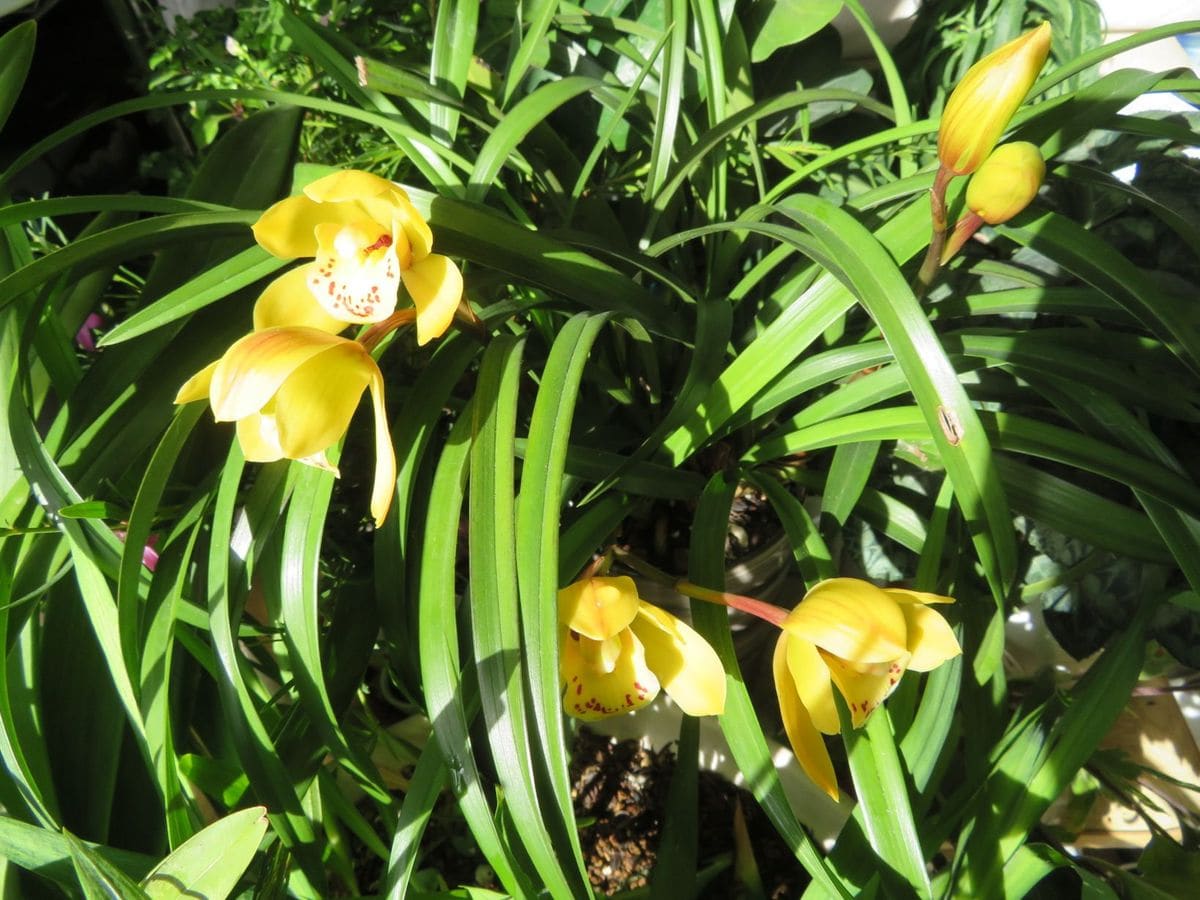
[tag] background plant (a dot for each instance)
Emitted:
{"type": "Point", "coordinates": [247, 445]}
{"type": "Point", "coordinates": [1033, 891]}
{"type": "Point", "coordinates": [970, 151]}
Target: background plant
{"type": "Point", "coordinates": [692, 244]}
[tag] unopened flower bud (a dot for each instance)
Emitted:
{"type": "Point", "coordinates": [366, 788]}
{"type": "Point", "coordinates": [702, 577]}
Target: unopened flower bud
{"type": "Point", "coordinates": [983, 103]}
{"type": "Point", "coordinates": [1007, 182]}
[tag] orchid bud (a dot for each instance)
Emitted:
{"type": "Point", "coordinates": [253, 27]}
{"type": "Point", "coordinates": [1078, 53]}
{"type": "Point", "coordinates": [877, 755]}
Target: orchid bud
{"type": "Point", "coordinates": [980, 107]}
{"type": "Point", "coordinates": [1007, 182]}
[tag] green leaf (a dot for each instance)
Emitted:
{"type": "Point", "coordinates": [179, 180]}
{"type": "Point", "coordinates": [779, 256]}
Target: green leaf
{"type": "Point", "coordinates": [802, 321]}
{"type": "Point", "coordinates": [674, 873]}
{"type": "Point", "coordinates": [332, 52]}
{"type": "Point", "coordinates": [810, 551]}
{"type": "Point", "coordinates": [1172, 319]}
{"type": "Point", "coordinates": [299, 608]}
{"type": "Point", "coordinates": [862, 263]}
{"type": "Point", "coordinates": [439, 655]}
{"type": "Point", "coordinates": [529, 257]}
{"type": "Point", "coordinates": [925, 740]}
{"type": "Point", "coordinates": [670, 97]}
{"type": "Point", "coordinates": [782, 23]}
{"type": "Point", "coordinates": [541, 14]}
{"type": "Point", "coordinates": [16, 53]}
{"type": "Point", "coordinates": [740, 722]}
{"type": "Point", "coordinates": [1169, 867]}
{"type": "Point", "coordinates": [121, 243]}
{"type": "Point", "coordinates": [424, 788]}
{"type": "Point", "coordinates": [46, 852]}
{"type": "Point", "coordinates": [538, 512]}
{"type": "Point", "coordinates": [530, 112]}
{"type": "Point", "coordinates": [495, 613]}
{"type": "Point", "coordinates": [213, 284]}
{"type": "Point", "coordinates": [209, 863]}
{"type": "Point", "coordinates": [94, 509]}
{"type": "Point", "coordinates": [99, 878]}
{"type": "Point", "coordinates": [848, 475]}
{"type": "Point", "coordinates": [879, 783]}
{"type": "Point", "coordinates": [450, 62]}
{"type": "Point", "coordinates": [1039, 760]}
{"type": "Point", "coordinates": [229, 558]}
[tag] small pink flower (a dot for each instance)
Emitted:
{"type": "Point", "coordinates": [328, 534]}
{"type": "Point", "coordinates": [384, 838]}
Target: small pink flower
{"type": "Point", "coordinates": [86, 337]}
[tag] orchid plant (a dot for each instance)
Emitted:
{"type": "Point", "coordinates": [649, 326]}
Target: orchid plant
{"type": "Point", "coordinates": [738, 359]}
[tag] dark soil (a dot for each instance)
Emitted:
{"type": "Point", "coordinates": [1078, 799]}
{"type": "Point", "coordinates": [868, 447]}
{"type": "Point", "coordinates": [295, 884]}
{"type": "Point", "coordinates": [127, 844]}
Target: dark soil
{"type": "Point", "coordinates": [620, 792]}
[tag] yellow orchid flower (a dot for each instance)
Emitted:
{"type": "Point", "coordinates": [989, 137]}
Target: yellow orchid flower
{"type": "Point", "coordinates": [860, 638]}
{"type": "Point", "coordinates": [1004, 185]}
{"type": "Point", "coordinates": [292, 391]}
{"type": "Point", "coordinates": [980, 107]}
{"type": "Point", "coordinates": [616, 651]}
{"type": "Point", "coordinates": [366, 238]}
{"type": "Point", "coordinates": [1007, 182]}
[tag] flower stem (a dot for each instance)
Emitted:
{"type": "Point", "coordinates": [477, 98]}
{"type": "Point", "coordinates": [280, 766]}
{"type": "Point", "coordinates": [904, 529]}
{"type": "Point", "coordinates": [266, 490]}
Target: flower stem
{"type": "Point", "coordinates": [937, 208]}
{"type": "Point", "coordinates": [768, 612]}
{"type": "Point", "coordinates": [377, 332]}
{"type": "Point", "coordinates": [963, 231]}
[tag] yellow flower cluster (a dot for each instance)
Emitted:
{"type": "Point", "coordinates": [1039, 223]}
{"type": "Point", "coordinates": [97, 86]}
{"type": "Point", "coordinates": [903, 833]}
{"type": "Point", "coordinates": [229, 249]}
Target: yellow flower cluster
{"type": "Point", "coordinates": [616, 652]}
{"type": "Point", "coordinates": [1005, 179]}
{"type": "Point", "coordinates": [292, 385]}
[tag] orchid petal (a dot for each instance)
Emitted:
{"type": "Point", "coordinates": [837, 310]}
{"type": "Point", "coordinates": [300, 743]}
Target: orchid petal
{"type": "Point", "coordinates": [601, 656]}
{"type": "Point", "coordinates": [592, 694]}
{"type": "Point", "coordinates": [435, 285]}
{"type": "Point", "coordinates": [598, 607]}
{"type": "Point", "coordinates": [314, 405]}
{"type": "Point", "coordinates": [806, 740]}
{"type": "Point", "coordinates": [348, 184]}
{"type": "Point", "coordinates": [905, 596]}
{"type": "Point", "coordinates": [197, 387]}
{"type": "Point", "coordinates": [288, 229]}
{"type": "Point", "coordinates": [415, 228]}
{"type": "Point", "coordinates": [258, 436]}
{"type": "Point", "coordinates": [385, 455]}
{"type": "Point", "coordinates": [252, 370]}
{"type": "Point", "coordinates": [687, 666]}
{"type": "Point", "coordinates": [810, 675]}
{"type": "Point", "coordinates": [852, 619]}
{"type": "Point", "coordinates": [931, 640]}
{"type": "Point", "coordinates": [357, 274]}
{"type": "Point", "coordinates": [864, 686]}
{"type": "Point", "coordinates": [288, 301]}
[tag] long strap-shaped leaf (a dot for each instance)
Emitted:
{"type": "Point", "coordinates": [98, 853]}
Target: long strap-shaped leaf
{"type": "Point", "coordinates": [670, 93]}
{"type": "Point", "coordinates": [1036, 766]}
{"type": "Point", "coordinates": [412, 433]}
{"type": "Point", "coordinates": [16, 53]}
{"type": "Point", "coordinates": [519, 121]}
{"type": "Point", "coordinates": [299, 594]}
{"type": "Point", "coordinates": [882, 789]}
{"type": "Point", "coordinates": [124, 242]}
{"type": "Point", "coordinates": [871, 273]}
{"type": "Point", "coordinates": [495, 612]}
{"type": "Point", "coordinates": [440, 674]}
{"type": "Point", "coordinates": [1173, 319]}
{"type": "Point", "coordinates": [740, 721]}
{"type": "Point", "coordinates": [541, 14]}
{"type": "Point", "coordinates": [230, 552]}
{"type": "Point", "coordinates": [453, 50]}
{"type": "Point", "coordinates": [802, 320]}
{"type": "Point", "coordinates": [478, 233]}
{"type": "Point", "coordinates": [537, 518]}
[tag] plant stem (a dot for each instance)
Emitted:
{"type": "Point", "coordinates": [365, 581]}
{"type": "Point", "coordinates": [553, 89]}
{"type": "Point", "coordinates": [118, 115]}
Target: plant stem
{"type": "Point", "coordinates": [937, 208]}
{"type": "Point", "coordinates": [377, 332]}
{"type": "Point", "coordinates": [768, 612]}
